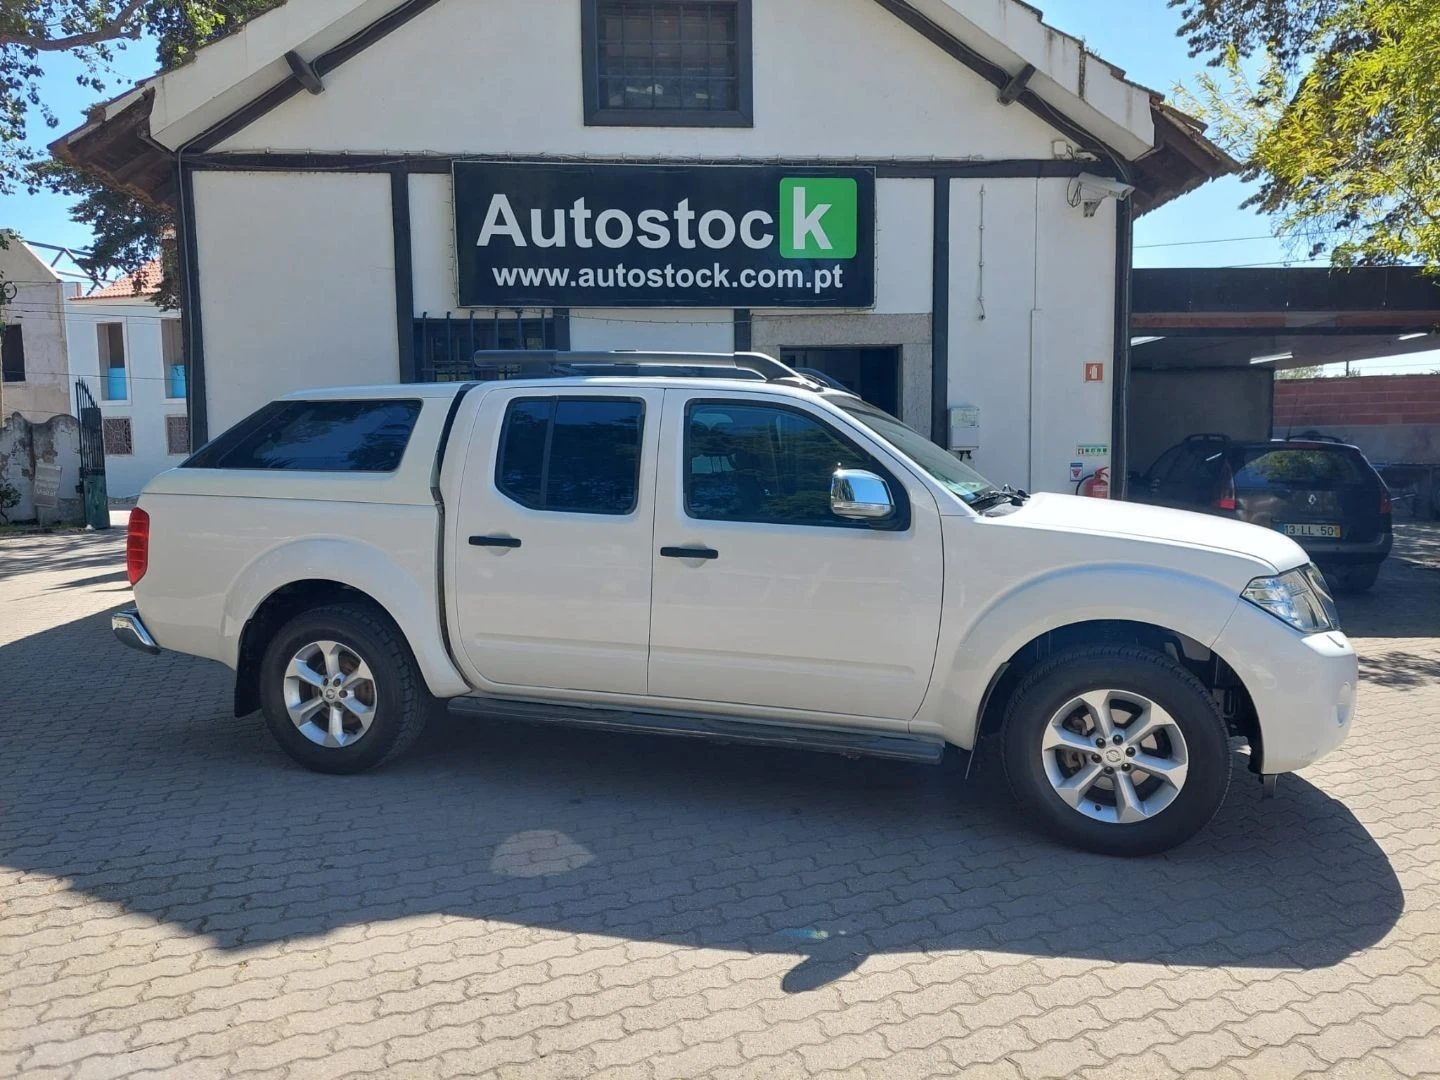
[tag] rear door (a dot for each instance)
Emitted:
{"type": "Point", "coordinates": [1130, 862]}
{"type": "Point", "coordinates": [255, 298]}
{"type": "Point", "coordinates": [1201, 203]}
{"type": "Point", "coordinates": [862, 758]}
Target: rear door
{"type": "Point", "coordinates": [1309, 491]}
{"type": "Point", "coordinates": [553, 539]}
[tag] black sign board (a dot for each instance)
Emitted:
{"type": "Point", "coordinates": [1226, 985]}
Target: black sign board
{"type": "Point", "coordinates": [573, 235]}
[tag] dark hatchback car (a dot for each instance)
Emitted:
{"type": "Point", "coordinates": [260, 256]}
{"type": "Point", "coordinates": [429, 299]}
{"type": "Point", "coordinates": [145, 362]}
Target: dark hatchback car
{"type": "Point", "coordinates": [1323, 494]}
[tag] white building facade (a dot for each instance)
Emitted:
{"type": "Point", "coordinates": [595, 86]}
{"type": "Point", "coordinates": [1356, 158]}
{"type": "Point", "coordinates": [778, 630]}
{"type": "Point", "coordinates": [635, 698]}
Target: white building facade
{"type": "Point", "coordinates": [33, 379]}
{"type": "Point", "coordinates": [130, 356]}
{"type": "Point", "coordinates": [929, 200]}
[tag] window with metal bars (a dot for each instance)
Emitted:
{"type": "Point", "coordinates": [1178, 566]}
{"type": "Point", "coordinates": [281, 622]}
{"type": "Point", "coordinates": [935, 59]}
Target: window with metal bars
{"type": "Point", "coordinates": [177, 435]}
{"type": "Point", "coordinates": [675, 63]}
{"type": "Point", "coordinates": [452, 349]}
{"type": "Point", "coordinates": [116, 433]}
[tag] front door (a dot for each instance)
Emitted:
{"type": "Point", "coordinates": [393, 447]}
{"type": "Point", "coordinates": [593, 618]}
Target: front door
{"type": "Point", "coordinates": [790, 607]}
{"type": "Point", "coordinates": [553, 541]}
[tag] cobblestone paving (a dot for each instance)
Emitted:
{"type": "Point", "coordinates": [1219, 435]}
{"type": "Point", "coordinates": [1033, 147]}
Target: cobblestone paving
{"type": "Point", "coordinates": [177, 899]}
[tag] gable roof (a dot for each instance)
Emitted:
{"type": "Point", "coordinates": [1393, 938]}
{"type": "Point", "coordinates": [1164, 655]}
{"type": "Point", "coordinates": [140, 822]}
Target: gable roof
{"type": "Point", "coordinates": [132, 140]}
{"type": "Point", "coordinates": [148, 277]}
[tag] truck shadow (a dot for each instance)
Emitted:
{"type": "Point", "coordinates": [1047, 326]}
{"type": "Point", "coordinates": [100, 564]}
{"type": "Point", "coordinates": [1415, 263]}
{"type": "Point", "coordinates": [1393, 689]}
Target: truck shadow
{"type": "Point", "coordinates": [136, 788]}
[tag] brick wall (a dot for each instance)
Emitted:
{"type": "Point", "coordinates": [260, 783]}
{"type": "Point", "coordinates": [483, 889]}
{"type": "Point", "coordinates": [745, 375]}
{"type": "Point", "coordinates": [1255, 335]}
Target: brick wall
{"type": "Point", "coordinates": [1368, 399]}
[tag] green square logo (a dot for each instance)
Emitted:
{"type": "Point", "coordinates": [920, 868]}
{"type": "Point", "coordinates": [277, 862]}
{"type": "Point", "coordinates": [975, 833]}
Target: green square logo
{"type": "Point", "coordinates": [819, 217]}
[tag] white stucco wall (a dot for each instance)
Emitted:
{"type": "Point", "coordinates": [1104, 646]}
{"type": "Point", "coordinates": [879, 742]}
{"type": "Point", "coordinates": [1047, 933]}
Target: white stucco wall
{"type": "Point", "coordinates": [297, 278]}
{"type": "Point", "coordinates": [432, 243]}
{"type": "Point", "coordinates": [147, 402]}
{"type": "Point", "coordinates": [39, 308]}
{"type": "Point", "coordinates": [1022, 328]}
{"type": "Point", "coordinates": [904, 230]}
{"type": "Point", "coordinates": [503, 77]}
{"type": "Point", "coordinates": [666, 329]}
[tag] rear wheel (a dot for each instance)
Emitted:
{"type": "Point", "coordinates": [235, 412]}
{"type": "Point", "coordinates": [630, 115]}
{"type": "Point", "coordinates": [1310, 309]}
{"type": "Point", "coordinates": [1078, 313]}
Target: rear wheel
{"type": "Point", "coordinates": [340, 690]}
{"type": "Point", "coordinates": [1116, 749]}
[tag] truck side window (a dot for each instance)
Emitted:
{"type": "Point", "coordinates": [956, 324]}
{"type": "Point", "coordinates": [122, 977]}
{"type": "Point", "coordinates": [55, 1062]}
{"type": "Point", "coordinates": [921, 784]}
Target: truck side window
{"type": "Point", "coordinates": [577, 455]}
{"type": "Point", "coordinates": [764, 464]}
{"type": "Point", "coordinates": [359, 435]}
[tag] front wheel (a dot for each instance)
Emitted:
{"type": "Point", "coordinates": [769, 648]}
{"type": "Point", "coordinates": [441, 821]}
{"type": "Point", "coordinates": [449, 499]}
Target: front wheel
{"type": "Point", "coordinates": [340, 690]}
{"type": "Point", "coordinates": [1116, 749]}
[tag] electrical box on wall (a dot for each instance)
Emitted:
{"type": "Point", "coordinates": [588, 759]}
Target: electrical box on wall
{"type": "Point", "coordinates": [964, 429]}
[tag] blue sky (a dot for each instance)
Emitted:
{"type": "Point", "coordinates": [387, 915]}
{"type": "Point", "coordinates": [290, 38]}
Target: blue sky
{"type": "Point", "coordinates": [1205, 228]}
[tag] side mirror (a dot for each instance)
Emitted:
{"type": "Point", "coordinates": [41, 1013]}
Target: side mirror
{"type": "Point", "coordinates": [860, 496]}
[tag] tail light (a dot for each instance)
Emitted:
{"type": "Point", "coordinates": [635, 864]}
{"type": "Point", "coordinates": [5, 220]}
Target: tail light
{"type": "Point", "coordinates": [137, 545]}
{"type": "Point", "coordinates": [1384, 501]}
{"type": "Point", "coordinates": [1226, 499]}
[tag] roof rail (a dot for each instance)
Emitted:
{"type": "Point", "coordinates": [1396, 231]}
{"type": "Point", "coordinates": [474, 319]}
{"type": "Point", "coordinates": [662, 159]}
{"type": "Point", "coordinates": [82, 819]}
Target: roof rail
{"type": "Point", "coordinates": [1208, 436]}
{"type": "Point", "coordinates": [555, 362]}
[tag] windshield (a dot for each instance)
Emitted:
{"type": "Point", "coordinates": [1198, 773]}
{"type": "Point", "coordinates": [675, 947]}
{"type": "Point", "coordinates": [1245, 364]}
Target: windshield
{"type": "Point", "coordinates": [944, 466]}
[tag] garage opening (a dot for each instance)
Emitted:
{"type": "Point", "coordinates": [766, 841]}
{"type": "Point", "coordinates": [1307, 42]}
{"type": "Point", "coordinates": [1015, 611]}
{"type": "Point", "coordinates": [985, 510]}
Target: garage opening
{"type": "Point", "coordinates": [873, 372]}
{"type": "Point", "coordinates": [1207, 344]}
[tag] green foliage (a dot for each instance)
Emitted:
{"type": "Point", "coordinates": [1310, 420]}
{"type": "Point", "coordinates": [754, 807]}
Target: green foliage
{"type": "Point", "coordinates": [1334, 107]}
{"type": "Point", "coordinates": [128, 232]}
{"type": "Point", "coordinates": [1307, 371]}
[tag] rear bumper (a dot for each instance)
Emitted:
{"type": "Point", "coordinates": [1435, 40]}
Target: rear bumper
{"type": "Point", "coordinates": [1345, 552]}
{"type": "Point", "coordinates": [130, 629]}
{"type": "Point", "coordinates": [1303, 686]}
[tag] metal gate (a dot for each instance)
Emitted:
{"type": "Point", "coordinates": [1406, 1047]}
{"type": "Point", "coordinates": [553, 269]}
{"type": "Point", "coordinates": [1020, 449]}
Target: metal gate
{"type": "Point", "coordinates": [92, 458]}
{"type": "Point", "coordinates": [452, 349]}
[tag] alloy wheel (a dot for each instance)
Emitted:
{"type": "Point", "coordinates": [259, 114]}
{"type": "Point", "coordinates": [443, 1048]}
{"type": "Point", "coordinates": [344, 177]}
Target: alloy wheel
{"type": "Point", "coordinates": [330, 694]}
{"type": "Point", "coordinates": [1114, 756]}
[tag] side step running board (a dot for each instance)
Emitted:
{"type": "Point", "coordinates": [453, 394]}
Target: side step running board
{"type": "Point", "coordinates": [913, 748]}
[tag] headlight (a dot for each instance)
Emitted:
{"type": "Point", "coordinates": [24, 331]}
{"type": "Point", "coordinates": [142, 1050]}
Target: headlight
{"type": "Point", "coordinates": [1298, 597]}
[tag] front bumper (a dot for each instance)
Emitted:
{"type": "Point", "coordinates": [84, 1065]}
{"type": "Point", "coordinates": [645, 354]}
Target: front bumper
{"type": "Point", "coordinates": [1303, 686]}
{"type": "Point", "coordinates": [130, 629]}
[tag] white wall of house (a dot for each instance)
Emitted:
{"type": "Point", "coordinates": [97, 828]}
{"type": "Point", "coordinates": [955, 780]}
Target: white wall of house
{"type": "Point", "coordinates": [296, 268]}
{"type": "Point", "coordinates": [1023, 325]}
{"type": "Point", "coordinates": [301, 267]}
{"type": "Point", "coordinates": [148, 388]}
{"type": "Point", "coordinates": [39, 310]}
{"type": "Point", "coordinates": [505, 78]}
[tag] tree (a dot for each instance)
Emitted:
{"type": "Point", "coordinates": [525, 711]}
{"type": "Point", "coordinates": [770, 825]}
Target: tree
{"type": "Point", "coordinates": [128, 232]}
{"type": "Point", "coordinates": [1332, 106]}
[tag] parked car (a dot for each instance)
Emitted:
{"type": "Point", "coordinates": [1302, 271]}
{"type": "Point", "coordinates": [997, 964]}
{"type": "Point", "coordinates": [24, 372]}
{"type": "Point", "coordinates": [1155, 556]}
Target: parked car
{"type": "Point", "coordinates": [1321, 492]}
{"type": "Point", "coordinates": [761, 560]}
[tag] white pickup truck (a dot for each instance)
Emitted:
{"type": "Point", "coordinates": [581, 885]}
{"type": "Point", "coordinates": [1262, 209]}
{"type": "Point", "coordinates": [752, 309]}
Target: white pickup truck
{"type": "Point", "coordinates": [717, 546]}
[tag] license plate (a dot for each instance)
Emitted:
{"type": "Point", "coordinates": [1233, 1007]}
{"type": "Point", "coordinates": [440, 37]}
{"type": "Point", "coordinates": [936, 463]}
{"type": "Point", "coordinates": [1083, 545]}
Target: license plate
{"type": "Point", "coordinates": [1329, 531]}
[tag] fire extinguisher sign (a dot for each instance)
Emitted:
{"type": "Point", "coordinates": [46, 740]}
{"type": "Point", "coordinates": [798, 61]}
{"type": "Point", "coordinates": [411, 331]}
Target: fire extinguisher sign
{"type": "Point", "coordinates": [1077, 471]}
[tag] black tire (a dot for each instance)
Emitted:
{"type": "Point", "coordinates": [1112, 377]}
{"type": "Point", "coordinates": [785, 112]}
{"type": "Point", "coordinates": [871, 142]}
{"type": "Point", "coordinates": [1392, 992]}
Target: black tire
{"type": "Point", "coordinates": [1354, 579]}
{"type": "Point", "coordinates": [401, 702]}
{"type": "Point", "coordinates": [1046, 689]}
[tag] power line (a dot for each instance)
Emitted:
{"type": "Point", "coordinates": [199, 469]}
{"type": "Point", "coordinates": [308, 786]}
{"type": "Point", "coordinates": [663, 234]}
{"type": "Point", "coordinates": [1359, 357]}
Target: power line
{"type": "Point", "coordinates": [1192, 243]}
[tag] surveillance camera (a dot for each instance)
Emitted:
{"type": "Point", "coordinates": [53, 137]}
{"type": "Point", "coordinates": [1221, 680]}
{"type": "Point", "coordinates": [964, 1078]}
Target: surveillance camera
{"type": "Point", "coordinates": [1092, 190]}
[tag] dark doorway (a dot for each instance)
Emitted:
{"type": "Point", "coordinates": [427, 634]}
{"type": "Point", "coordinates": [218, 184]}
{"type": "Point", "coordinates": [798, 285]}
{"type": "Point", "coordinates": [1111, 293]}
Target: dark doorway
{"type": "Point", "coordinates": [873, 373]}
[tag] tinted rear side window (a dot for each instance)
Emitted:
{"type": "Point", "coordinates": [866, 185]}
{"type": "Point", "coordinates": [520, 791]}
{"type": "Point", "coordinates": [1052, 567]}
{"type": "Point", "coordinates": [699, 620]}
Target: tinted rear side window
{"type": "Point", "coordinates": [315, 436]}
{"type": "Point", "coordinates": [1317, 468]}
{"type": "Point", "coordinates": [572, 455]}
